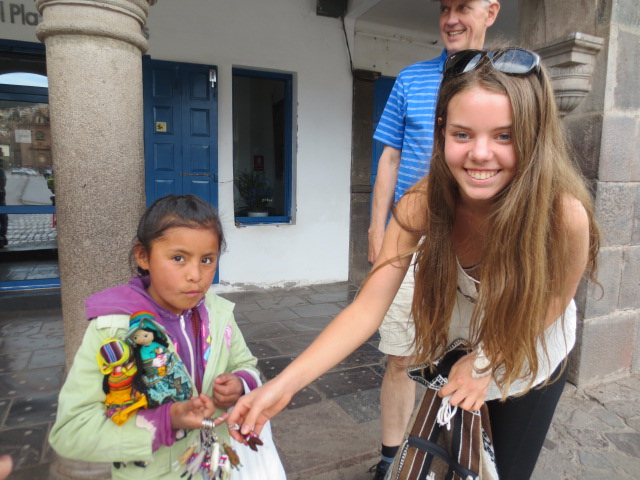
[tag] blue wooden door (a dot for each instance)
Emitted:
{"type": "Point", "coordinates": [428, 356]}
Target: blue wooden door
{"type": "Point", "coordinates": [181, 125]}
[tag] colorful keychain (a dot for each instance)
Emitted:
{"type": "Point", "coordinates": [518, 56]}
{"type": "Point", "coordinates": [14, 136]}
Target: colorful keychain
{"type": "Point", "coordinates": [211, 459]}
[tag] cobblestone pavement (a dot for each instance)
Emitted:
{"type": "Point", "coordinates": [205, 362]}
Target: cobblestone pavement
{"type": "Point", "coordinates": [595, 433]}
{"type": "Point", "coordinates": [331, 429]}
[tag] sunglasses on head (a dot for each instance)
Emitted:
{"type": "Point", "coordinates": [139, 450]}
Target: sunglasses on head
{"type": "Point", "coordinates": [512, 61]}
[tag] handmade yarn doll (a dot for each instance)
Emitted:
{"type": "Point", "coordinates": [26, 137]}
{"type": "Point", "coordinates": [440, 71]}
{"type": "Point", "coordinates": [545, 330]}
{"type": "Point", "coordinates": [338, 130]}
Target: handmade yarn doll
{"type": "Point", "coordinates": [119, 368]}
{"type": "Point", "coordinates": [162, 376]}
{"type": "Point", "coordinates": [151, 352]}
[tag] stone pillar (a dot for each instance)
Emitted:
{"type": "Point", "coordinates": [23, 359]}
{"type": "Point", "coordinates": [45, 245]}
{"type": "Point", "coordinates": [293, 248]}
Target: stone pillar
{"type": "Point", "coordinates": [603, 130]}
{"type": "Point", "coordinates": [94, 66]}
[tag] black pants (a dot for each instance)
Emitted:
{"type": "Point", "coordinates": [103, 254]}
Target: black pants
{"type": "Point", "coordinates": [519, 426]}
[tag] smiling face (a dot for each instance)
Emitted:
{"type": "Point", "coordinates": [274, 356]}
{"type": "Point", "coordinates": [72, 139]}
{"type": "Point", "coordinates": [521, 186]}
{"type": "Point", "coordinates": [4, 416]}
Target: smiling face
{"type": "Point", "coordinates": [464, 23]}
{"type": "Point", "coordinates": [181, 264]}
{"type": "Point", "coordinates": [478, 144]}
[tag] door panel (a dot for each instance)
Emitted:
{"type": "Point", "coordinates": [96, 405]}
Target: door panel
{"type": "Point", "coordinates": [165, 115]}
{"type": "Point", "coordinates": [199, 123]}
{"type": "Point", "coordinates": [163, 131]}
{"type": "Point", "coordinates": [180, 105]}
{"type": "Point", "coordinates": [163, 157]}
{"type": "Point", "coordinates": [200, 165]}
{"type": "Point", "coordinates": [163, 80]}
{"type": "Point", "coordinates": [201, 188]}
{"type": "Point", "coordinates": [162, 188]}
{"type": "Point", "coordinates": [199, 156]}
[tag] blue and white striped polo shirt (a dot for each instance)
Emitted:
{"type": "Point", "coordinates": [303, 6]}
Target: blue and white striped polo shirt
{"type": "Point", "coordinates": [408, 119]}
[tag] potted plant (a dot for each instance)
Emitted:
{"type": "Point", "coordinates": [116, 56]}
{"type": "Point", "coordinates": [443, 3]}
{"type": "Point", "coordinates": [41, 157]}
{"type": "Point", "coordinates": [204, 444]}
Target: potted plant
{"type": "Point", "coordinates": [255, 191]}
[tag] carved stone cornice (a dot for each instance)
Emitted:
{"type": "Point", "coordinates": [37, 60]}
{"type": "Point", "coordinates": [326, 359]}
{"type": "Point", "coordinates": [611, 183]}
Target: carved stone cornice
{"type": "Point", "coordinates": [570, 61]}
{"type": "Point", "coordinates": [67, 17]}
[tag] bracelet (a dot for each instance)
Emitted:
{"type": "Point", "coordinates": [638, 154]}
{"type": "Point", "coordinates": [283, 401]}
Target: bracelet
{"type": "Point", "coordinates": [480, 363]}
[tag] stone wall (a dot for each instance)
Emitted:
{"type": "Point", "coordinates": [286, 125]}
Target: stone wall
{"type": "Point", "coordinates": [604, 131]}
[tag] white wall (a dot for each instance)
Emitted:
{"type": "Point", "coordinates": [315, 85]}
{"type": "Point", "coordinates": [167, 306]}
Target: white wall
{"type": "Point", "coordinates": [389, 52]}
{"type": "Point", "coordinates": [285, 36]}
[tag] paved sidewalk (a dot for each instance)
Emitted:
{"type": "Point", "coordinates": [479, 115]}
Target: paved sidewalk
{"type": "Point", "coordinates": [331, 429]}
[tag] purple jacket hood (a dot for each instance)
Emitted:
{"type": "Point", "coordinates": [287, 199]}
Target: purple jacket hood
{"type": "Point", "coordinates": [123, 299]}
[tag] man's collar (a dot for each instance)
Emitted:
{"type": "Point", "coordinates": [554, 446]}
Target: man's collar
{"type": "Point", "coordinates": [443, 58]}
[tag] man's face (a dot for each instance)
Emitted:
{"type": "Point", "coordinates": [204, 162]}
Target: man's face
{"type": "Point", "coordinates": [463, 23]}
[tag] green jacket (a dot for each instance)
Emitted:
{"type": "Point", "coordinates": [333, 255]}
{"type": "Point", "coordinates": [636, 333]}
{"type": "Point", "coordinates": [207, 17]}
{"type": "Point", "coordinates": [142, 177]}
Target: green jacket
{"type": "Point", "coordinates": [83, 432]}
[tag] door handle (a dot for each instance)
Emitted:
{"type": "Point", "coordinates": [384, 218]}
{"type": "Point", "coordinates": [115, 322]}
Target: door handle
{"type": "Point", "coordinates": [213, 176]}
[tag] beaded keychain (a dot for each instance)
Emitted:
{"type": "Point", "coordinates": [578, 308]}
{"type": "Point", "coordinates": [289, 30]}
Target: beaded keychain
{"type": "Point", "coordinates": [212, 459]}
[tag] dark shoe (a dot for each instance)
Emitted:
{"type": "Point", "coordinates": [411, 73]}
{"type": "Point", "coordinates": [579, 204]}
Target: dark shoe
{"type": "Point", "coordinates": [379, 470]}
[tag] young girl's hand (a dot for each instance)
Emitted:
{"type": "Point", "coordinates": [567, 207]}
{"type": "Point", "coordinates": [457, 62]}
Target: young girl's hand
{"type": "Point", "coordinates": [189, 414]}
{"type": "Point", "coordinates": [227, 389]}
{"type": "Point", "coordinates": [466, 391]}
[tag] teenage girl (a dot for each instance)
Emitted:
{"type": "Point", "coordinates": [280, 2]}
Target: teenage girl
{"type": "Point", "coordinates": [508, 230]}
{"type": "Point", "coordinates": [176, 251]}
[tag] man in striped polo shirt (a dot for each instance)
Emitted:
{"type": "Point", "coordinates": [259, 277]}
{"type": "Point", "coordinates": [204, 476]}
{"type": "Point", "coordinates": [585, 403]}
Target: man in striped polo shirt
{"type": "Point", "coordinates": [406, 129]}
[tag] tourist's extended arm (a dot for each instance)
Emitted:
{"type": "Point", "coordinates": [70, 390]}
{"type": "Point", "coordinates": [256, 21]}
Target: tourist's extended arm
{"type": "Point", "coordinates": [352, 327]}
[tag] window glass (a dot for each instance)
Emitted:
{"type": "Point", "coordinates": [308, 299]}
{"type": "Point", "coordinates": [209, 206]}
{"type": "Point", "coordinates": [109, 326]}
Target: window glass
{"type": "Point", "coordinates": [28, 224]}
{"type": "Point", "coordinates": [261, 146]}
{"type": "Point", "coordinates": [25, 153]}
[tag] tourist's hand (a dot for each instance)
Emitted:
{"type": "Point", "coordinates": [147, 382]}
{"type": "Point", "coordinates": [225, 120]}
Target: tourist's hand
{"type": "Point", "coordinates": [254, 409]}
{"type": "Point", "coordinates": [466, 391]}
{"type": "Point", "coordinates": [6, 465]}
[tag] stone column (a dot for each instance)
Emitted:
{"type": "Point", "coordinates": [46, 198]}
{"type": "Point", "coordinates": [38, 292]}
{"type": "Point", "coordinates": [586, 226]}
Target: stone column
{"type": "Point", "coordinates": [94, 66]}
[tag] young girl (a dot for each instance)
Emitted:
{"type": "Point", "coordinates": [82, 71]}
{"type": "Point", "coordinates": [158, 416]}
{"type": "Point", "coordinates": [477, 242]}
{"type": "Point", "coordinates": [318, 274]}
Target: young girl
{"type": "Point", "coordinates": [176, 251]}
{"type": "Point", "coordinates": [508, 231]}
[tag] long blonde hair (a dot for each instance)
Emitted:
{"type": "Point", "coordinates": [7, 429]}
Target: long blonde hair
{"type": "Point", "coordinates": [527, 249]}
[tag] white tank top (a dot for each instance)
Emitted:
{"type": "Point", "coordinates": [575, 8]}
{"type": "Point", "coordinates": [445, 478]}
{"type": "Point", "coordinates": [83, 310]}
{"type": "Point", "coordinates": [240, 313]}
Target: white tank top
{"type": "Point", "coordinates": [559, 340]}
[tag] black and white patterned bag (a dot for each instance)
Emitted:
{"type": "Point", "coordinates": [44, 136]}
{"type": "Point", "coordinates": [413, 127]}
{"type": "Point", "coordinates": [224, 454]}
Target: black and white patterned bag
{"type": "Point", "coordinates": [444, 442]}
